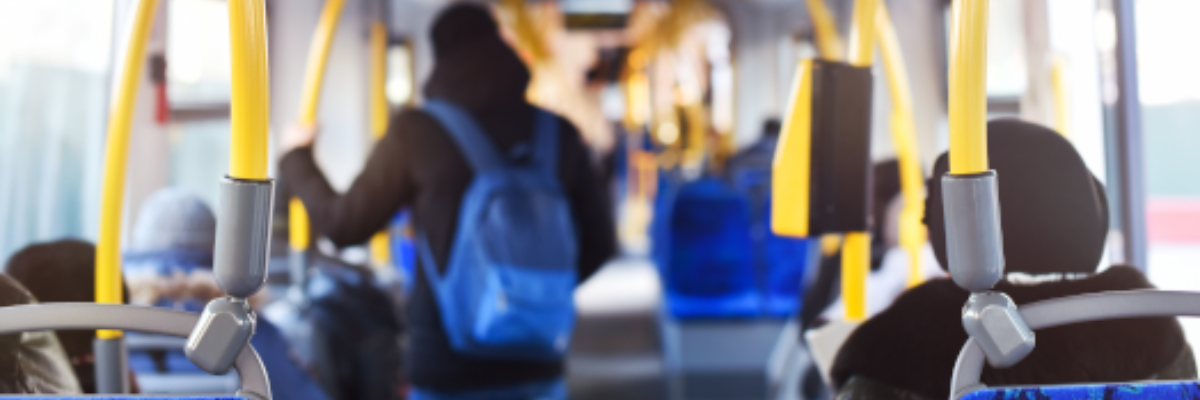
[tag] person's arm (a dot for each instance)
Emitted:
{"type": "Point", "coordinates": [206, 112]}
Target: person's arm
{"type": "Point", "coordinates": [380, 190]}
{"type": "Point", "coordinates": [589, 204]}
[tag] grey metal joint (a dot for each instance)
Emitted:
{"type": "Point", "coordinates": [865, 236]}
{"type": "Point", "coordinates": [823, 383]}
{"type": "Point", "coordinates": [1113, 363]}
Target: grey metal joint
{"type": "Point", "coordinates": [224, 328]}
{"type": "Point", "coordinates": [992, 319]}
{"type": "Point", "coordinates": [974, 241]}
{"type": "Point", "coordinates": [243, 235]}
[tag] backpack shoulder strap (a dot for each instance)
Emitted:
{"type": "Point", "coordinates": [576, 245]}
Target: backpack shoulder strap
{"type": "Point", "coordinates": [475, 145]}
{"type": "Point", "coordinates": [545, 139]}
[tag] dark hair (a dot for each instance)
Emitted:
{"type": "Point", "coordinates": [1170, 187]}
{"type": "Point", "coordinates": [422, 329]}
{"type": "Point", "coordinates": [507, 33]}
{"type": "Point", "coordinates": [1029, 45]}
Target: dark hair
{"type": "Point", "coordinates": [58, 272]}
{"type": "Point", "coordinates": [1053, 212]}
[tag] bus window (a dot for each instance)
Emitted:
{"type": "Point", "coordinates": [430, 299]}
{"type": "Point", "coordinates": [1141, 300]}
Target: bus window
{"type": "Point", "coordinates": [54, 84]}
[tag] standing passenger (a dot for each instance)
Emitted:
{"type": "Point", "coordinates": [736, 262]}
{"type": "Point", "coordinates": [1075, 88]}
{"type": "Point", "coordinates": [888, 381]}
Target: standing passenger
{"type": "Point", "coordinates": [420, 165]}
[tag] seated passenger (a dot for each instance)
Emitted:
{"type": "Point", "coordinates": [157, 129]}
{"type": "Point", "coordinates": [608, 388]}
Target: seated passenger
{"type": "Point", "coordinates": [1054, 216]}
{"type": "Point", "coordinates": [170, 265]}
{"type": "Point", "coordinates": [63, 271]}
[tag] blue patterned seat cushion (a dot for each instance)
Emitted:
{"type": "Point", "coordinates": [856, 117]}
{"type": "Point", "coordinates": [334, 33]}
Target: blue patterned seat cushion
{"type": "Point", "coordinates": [1121, 391]}
{"type": "Point", "coordinates": [130, 398]}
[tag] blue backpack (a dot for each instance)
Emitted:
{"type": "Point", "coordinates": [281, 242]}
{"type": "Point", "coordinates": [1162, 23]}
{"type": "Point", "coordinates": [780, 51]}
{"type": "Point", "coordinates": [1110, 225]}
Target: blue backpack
{"type": "Point", "coordinates": [507, 291]}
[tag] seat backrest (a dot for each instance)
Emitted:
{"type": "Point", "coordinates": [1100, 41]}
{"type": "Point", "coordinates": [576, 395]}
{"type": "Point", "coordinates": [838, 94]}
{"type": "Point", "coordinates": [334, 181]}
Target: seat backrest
{"type": "Point", "coordinates": [709, 266]}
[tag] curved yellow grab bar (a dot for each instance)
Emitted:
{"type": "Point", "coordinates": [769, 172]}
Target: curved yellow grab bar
{"type": "Point", "coordinates": [904, 139]}
{"type": "Point", "coordinates": [862, 33]}
{"type": "Point", "coordinates": [250, 103]}
{"type": "Point", "coordinates": [791, 175]}
{"type": "Point", "coordinates": [116, 157]}
{"type": "Point", "coordinates": [380, 243]}
{"type": "Point", "coordinates": [1062, 99]}
{"type": "Point", "coordinates": [829, 42]}
{"type": "Point", "coordinates": [318, 54]}
{"type": "Point", "coordinates": [314, 76]}
{"type": "Point", "coordinates": [968, 88]}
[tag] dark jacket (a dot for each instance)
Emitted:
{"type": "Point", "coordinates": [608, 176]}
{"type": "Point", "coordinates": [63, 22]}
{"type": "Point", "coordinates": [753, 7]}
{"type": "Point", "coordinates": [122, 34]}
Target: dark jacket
{"type": "Point", "coordinates": [417, 165]}
{"type": "Point", "coordinates": [1054, 218]}
{"type": "Point", "coordinates": [912, 345]}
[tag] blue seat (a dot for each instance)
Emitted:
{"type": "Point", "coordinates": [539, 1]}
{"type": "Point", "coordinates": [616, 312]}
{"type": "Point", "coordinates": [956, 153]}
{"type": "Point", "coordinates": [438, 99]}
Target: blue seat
{"type": "Point", "coordinates": [1117, 391]}
{"type": "Point", "coordinates": [706, 253]}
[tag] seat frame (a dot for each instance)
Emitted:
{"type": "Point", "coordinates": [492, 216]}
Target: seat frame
{"type": "Point", "coordinates": [86, 316]}
{"type": "Point", "coordinates": [1076, 309]}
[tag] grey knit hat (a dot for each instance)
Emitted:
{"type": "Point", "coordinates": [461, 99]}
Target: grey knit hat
{"type": "Point", "coordinates": [174, 224]}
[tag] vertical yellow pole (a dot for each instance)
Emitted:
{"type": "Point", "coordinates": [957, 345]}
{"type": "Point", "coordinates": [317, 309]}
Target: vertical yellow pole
{"type": "Point", "coordinates": [968, 88]}
{"type": "Point", "coordinates": [380, 243]}
{"type": "Point", "coordinates": [856, 264]}
{"type": "Point", "coordinates": [829, 41]}
{"type": "Point", "coordinates": [856, 251]}
{"type": "Point", "coordinates": [379, 102]}
{"type": "Point", "coordinates": [904, 138]}
{"type": "Point", "coordinates": [116, 156]}
{"type": "Point", "coordinates": [791, 175]}
{"type": "Point", "coordinates": [1062, 102]}
{"type": "Point", "coordinates": [250, 100]}
{"type": "Point", "coordinates": [314, 76]}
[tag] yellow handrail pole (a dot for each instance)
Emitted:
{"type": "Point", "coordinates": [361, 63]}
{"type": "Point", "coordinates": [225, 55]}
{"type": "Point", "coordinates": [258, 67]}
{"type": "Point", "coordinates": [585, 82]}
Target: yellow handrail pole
{"type": "Point", "coordinates": [116, 157]}
{"type": "Point", "coordinates": [856, 250]}
{"type": "Point", "coordinates": [379, 101]}
{"type": "Point", "coordinates": [250, 102]}
{"type": "Point", "coordinates": [1062, 99]}
{"type": "Point", "coordinates": [791, 167]}
{"type": "Point", "coordinates": [904, 139]}
{"type": "Point", "coordinates": [968, 95]}
{"type": "Point", "coordinates": [379, 245]}
{"type": "Point", "coordinates": [829, 42]}
{"type": "Point", "coordinates": [314, 76]}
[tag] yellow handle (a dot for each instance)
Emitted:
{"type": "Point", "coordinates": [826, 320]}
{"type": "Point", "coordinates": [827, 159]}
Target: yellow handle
{"type": "Point", "coordinates": [116, 157]}
{"type": "Point", "coordinates": [862, 33]}
{"type": "Point", "coordinates": [829, 42]}
{"type": "Point", "coordinates": [856, 263]}
{"type": "Point", "coordinates": [379, 101]}
{"type": "Point", "coordinates": [792, 165]}
{"type": "Point", "coordinates": [968, 88]}
{"type": "Point", "coordinates": [250, 101]}
{"type": "Point", "coordinates": [904, 139]}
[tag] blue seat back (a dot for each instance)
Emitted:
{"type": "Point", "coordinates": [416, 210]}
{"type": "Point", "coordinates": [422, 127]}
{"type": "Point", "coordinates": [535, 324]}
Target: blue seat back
{"type": "Point", "coordinates": [706, 253]}
{"type": "Point", "coordinates": [508, 287]}
{"type": "Point", "coordinates": [780, 261]}
{"type": "Point", "coordinates": [1120, 391]}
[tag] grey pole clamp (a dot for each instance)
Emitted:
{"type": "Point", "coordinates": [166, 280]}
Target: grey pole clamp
{"type": "Point", "coordinates": [243, 236]}
{"type": "Point", "coordinates": [975, 251]}
{"type": "Point", "coordinates": [240, 266]}
{"type": "Point", "coordinates": [974, 241]}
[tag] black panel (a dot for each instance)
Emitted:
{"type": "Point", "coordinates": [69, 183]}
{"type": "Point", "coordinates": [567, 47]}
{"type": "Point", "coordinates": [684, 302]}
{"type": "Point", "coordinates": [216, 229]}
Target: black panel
{"type": "Point", "coordinates": [841, 148]}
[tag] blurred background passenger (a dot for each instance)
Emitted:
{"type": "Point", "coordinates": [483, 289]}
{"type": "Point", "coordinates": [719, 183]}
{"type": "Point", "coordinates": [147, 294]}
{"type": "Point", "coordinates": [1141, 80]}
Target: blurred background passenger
{"type": "Point", "coordinates": [418, 165]}
{"type": "Point", "coordinates": [170, 265]}
{"type": "Point", "coordinates": [1054, 216]}
{"type": "Point", "coordinates": [63, 272]}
